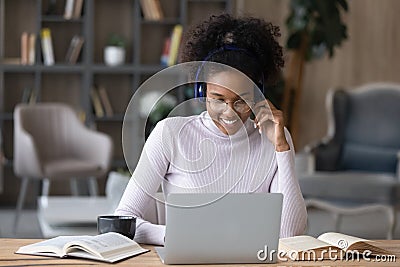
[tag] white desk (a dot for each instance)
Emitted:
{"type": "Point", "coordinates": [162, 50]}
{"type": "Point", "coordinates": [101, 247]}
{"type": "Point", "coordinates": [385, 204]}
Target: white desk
{"type": "Point", "coordinates": [71, 215]}
{"type": "Point", "coordinates": [78, 215]}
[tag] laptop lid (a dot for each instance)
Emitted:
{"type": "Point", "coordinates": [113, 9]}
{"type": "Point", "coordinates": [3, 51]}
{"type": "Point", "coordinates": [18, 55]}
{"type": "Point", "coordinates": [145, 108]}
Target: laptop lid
{"type": "Point", "coordinates": [221, 228]}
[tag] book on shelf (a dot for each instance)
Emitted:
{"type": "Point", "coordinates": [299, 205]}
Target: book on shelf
{"type": "Point", "coordinates": [29, 95]}
{"type": "Point", "coordinates": [74, 49]}
{"type": "Point", "coordinates": [151, 9]}
{"type": "Point", "coordinates": [69, 9]}
{"type": "Point", "coordinates": [105, 100]}
{"type": "Point", "coordinates": [33, 96]}
{"type": "Point", "coordinates": [26, 95]}
{"type": "Point", "coordinates": [77, 9]}
{"type": "Point", "coordinates": [47, 47]}
{"type": "Point", "coordinates": [146, 10]}
{"type": "Point", "coordinates": [28, 41]}
{"type": "Point", "coordinates": [340, 245]}
{"type": "Point", "coordinates": [96, 102]}
{"type": "Point", "coordinates": [31, 48]}
{"type": "Point", "coordinates": [24, 48]}
{"type": "Point", "coordinates": [109, 247]}
{"type": "Point", "coordinates": [165, 52]}
{"type": "Point", "coordinates": [176, 37]}
{"type": "Point", "coordinates": [156, 6]}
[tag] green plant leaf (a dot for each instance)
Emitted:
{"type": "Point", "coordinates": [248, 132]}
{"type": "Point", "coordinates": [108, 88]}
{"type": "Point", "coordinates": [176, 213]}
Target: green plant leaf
{"type": "Point", "coordinates": [294, 40]}
{"type": "Point", "coordinates": [343, 4]}
{"type": "Point", "coordinates": [116, 40]}
{"type": "Point", "coordinates": [321, 21]}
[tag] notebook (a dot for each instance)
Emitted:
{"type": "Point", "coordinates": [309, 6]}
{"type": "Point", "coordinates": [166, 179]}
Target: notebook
{"type": "Point", "coordinates": [221, 228]}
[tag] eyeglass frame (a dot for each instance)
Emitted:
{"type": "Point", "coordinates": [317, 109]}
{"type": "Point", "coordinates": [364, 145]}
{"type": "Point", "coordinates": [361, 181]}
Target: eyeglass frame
{"type": "Point", "coordinates": [214, 100]}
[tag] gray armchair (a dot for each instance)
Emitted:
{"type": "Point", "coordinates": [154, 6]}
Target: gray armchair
{"type": "Point", "coordinates": [357, 164]}
{"type": "Point", "coordinates": [50, 143]}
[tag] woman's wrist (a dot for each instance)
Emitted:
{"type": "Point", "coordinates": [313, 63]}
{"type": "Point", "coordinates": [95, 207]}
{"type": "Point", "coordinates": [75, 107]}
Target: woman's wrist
{"type": "Point", "coordinates": [281, 147]}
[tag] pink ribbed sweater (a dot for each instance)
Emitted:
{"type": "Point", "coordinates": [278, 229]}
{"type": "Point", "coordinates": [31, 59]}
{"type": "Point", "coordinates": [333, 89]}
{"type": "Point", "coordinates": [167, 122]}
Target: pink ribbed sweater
{"type": "Point", "coordinates": [190, 154]}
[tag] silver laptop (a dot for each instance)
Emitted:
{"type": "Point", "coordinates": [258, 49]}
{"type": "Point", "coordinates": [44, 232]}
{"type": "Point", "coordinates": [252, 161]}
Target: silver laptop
{"type": "Point", "coordinates": [221, 228]}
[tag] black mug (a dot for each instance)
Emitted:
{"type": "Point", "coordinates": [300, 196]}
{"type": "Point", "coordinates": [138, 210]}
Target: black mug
{"type": "Point", "coordinates": [125, 225]}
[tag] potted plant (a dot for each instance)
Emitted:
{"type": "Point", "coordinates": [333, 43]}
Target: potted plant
{"type": "Point", "coordinates": [154, 106]}
{"type": "Point", "coordinates": [314, 29]}
{"type": "Point", "coordinates": [114, 52]}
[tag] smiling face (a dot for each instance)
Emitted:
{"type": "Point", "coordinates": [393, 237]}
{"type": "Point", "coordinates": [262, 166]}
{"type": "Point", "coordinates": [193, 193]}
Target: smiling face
{"type": "Point", "coordinates": [229, 88]}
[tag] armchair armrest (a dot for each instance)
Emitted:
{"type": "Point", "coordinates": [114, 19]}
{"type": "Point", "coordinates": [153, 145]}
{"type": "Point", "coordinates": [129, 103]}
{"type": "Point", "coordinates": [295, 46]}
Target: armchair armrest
{"type": "Point", "coordinates": [326, 153]}
{"type": "Point", "coordinates": [304, 163]}
{"type": "Point", "coordinates": [26, 156]}
{"type": "Point", "coordinates": [309, 148]}
{"type": "Point", "coordinates": [96, 147]}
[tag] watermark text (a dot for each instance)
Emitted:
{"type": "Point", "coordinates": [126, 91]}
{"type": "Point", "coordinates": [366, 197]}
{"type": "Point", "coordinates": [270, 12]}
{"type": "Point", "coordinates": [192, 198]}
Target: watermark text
{"type": "Point", "coordinates": [330, 253]}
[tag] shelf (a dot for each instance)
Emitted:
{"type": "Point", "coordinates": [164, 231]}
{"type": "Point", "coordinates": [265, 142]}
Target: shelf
{"type": "Point", "coordinates": [57, 18]}
{"type": "Point", "coordinates": [43, 68]}
{"type": "Point", "coordinates": [165, 21]}
{"type": "Point", "coordinates": [98, 68]}
{"type": "Point", "coordinates": [126, 69]}
{"type": "Point", "coordinates": [18, 68]}
{"type": "Point", "coordinates": [62, 68]}
{"type": "Point", "coordinates": [115, 118]}
{"type": "Point", "coordinates": [102, 68]}
{"type": "Point", "coordinates": [150, 69]}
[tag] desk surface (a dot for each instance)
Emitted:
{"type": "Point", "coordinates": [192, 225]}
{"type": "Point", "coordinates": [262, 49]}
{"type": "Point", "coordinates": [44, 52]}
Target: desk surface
{"type": "Point", "coordinates": [9, 246]}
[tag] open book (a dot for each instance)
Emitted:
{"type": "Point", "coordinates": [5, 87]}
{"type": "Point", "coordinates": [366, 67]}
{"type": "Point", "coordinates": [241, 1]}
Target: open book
{"type": "Point", "coordinates": [108, 247]}
{"type": "Point", "coordinates": [328, 246]}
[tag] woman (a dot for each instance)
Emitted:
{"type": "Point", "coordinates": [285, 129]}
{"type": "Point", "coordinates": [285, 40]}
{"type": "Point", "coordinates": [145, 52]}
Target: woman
{"type": "Point", "coordinates": [222, 149]}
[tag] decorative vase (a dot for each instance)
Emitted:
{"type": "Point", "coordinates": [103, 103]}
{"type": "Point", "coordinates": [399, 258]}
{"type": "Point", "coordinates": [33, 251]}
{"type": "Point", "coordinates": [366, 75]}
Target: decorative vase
{"type": "Point", "coordinates": [114, 55]}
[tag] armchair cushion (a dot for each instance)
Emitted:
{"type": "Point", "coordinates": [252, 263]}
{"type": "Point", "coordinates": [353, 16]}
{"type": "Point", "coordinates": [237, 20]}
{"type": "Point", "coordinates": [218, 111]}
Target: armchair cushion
{"type": "Point", "coordinates": [351, 186]}
{"type": "Point", "coordinates": [68, 168]}
{"type": "Point", "coordinates": [369, 158]}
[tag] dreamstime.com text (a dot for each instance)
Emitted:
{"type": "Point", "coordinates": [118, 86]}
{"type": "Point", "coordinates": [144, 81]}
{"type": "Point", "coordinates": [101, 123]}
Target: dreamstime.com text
{"type": "Point", "coordinates": [325, 254]}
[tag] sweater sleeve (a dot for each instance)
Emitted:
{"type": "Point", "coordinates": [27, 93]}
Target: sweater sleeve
{"type": "Point", "coordinates": [144, 183]}
{"type": "Point", "coordinates": [294, 213]}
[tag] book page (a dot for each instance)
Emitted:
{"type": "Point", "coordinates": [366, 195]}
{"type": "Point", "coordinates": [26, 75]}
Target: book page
{"type": "Point", "coordinates": [307, 248]}
{"type": "Point", "coordinates": [301, 243]}
{"type": "Point", "coordinates": [340, 240]}
{"type": "Point", "coordinates": [111, 259]}
{"type": "Point", "coordinates": [105, 245]}
{"type": "Point", "coordinates": [347, 242]}
{"type": "Point", "coordinates": [49, 247]}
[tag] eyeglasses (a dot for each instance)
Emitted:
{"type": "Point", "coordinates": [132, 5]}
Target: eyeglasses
{"type": "Point", "coordinates": [220, 106]}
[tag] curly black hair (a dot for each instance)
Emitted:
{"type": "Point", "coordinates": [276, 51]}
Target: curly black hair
{"type": "Point", "coordinates": [259, 55]}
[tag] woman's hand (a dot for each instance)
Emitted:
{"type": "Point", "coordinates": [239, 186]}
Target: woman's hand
{"type": "Point", "coordinates": [270, 121]}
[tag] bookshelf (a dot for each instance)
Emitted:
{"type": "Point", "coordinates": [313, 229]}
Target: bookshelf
{"type": "Point", "coordinates": [72, 83]}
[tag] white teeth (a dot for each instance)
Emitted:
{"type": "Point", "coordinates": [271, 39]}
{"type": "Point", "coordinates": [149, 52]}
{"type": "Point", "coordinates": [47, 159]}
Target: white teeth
{"type": "Point", "coordinates": [229, 121]}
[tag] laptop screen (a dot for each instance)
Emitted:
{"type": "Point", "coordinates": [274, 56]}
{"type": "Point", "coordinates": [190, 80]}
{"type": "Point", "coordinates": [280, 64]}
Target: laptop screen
{"type": "Point", "coordinates": [221, 228]}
